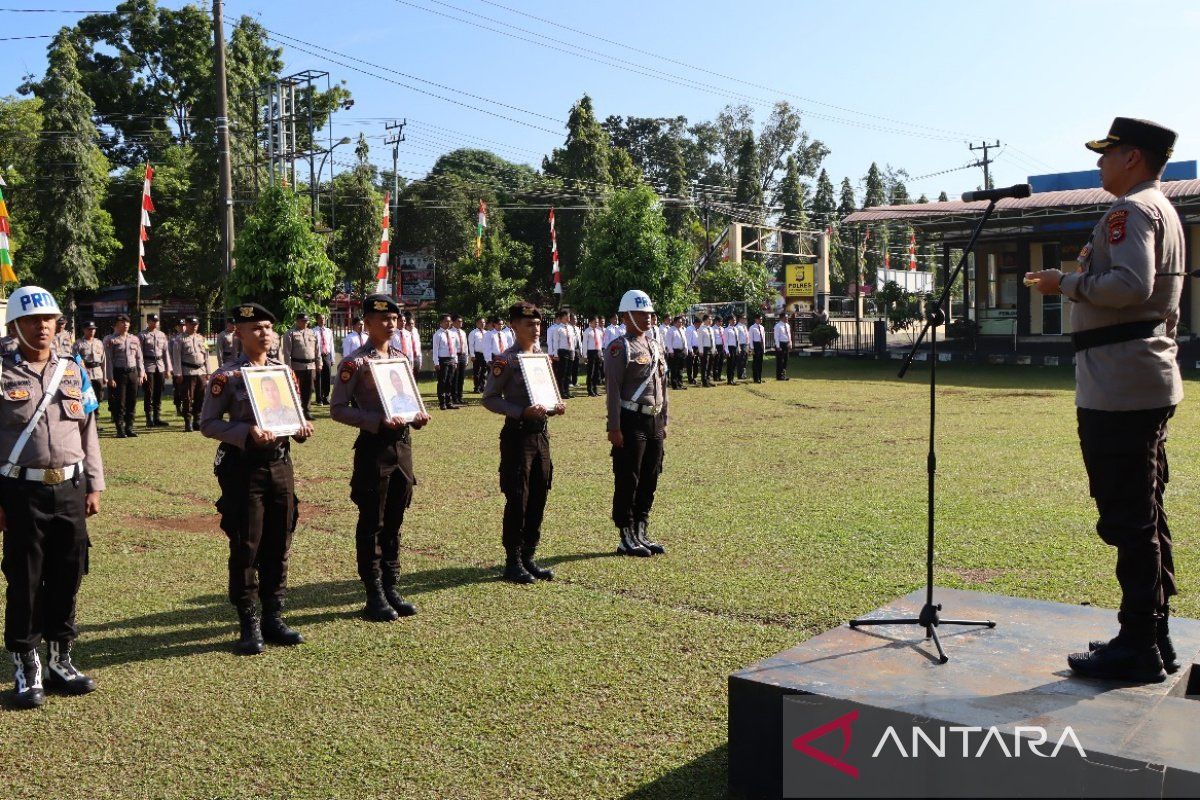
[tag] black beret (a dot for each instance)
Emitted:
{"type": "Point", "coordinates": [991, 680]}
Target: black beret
{"type": "Point", "coordinates": [524, 310]}
{"type": "Point", "coordinates": [379, 303]}
{"type": "Point", "coordinates": [1137, 133]}
{"type": "Point", "coordinates": [250, 312]}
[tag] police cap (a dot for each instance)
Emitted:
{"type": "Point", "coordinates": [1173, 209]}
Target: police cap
{"type": "Point", "coordinates": [122, 318]}
{"type": "Point", "coordinates": [1140, 133]}
{"type": "Point", "coordinates": [524, 310]}
{"type": "Point", "coordinates": [152, 317]}
{"type": "Point", "coordinates": [379, 303]}
{"type": "Point", "coordinates": [89, 325]}
{"type": "Point", "coordinates": [250, 312]}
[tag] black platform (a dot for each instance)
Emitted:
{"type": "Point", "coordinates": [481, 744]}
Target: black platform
{"type": "Point", "coordinates": [813, 721]}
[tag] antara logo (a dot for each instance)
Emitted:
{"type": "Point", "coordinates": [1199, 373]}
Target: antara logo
{"type": "Point", "coordinates": [938, 745]}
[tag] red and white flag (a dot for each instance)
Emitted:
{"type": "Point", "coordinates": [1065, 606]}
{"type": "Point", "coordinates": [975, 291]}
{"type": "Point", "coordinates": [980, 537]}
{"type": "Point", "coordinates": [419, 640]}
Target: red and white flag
{"type": "Point", "coordinates": [912, 251]}
{"type": "Point", "coordinates": [143, 236]}
{"type": "Point", "coordinates": [385, 246]}
{"type": "Point", "coordinates": [554, 256]}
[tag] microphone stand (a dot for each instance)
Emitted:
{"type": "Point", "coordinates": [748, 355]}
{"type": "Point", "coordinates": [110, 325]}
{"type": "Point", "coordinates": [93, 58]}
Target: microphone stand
{"type": "Point", "coordinates": [929, 618]}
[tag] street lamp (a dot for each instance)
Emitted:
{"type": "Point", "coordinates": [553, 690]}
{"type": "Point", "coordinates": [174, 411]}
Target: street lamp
{"type": "Point", "coordinates": [320, 172]}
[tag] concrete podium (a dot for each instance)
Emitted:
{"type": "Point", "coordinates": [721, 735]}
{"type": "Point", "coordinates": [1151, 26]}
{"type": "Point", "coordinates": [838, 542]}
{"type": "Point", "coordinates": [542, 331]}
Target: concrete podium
{"type": "Point", "coordinates": [870, 712]}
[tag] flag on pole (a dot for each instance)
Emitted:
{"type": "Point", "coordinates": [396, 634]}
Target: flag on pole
{"type": "Point", "coordinates": [143, 236]}
{"type": "Point", "coordinates": [385, 247]}
{"type": "Point", "coordinates": [482, 223]}
{"type": "Point", "coordinates": [6, 264]}
{"type": "Point", "coordinates": [554, 256]}
{"type": "Point", "coordinates": [912, 251]}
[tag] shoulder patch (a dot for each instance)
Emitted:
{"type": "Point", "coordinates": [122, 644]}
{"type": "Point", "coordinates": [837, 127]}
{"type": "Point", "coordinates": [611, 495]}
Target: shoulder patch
{"type": "Point", "coordinates": [498, 366]}
{"type": "Point", "coordinates": [1116, 221]}
{"type": "Point", "coordinates": [614, 349]}
{"type": "Point", "coordinates": [217, 384]}
{"type": "Point", "coordinates": [346, 371]}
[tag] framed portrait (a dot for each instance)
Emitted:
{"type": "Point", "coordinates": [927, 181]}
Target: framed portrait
{"type": "Point", "coordinates": [274, 399]}
{"type": "Point", "coordinates": [539, 380]}
{"type": "Point", "coordinates": [398, 392]}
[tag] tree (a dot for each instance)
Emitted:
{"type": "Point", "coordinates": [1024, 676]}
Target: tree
{"type": "Point", "coordinates": [281, 261]}
{"type": "Point", "coordinates": [793, 196]}
{"type": "Point", "coordinates": [582, 164]}
{"type": "Point", "coordinates": [736, 281]}
{"type": "Point", "coordinates": [20, 132]}
{"type": "Point", "coordinates": [626, 246]}
{"type": "Point", "coordinates": [491, 282]}
{"type": "Point", "coordinates": [897, 191]}
{"type": "Point", "coordinates": [942, 198]}
{"type": "Point", "coordinates": [846, 206]}
{"type": "Point", "coordinates": [874, 191]}
{"type": "Point", "coordinates": [356, 238]}
{"type": "Point", "coordinates": [824, 204]}
{"type": "Point", "coordinates": [678, 215]}
{"type": "Point", "coordinates": [749, 189]}
{"type": "Point", "coordinates": [76, 231]}
{"type": "Point", "coordinates": [874, 194]}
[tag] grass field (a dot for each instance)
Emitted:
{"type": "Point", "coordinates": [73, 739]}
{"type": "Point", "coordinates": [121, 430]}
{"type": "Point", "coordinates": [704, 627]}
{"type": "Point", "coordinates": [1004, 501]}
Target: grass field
{"type": "Point", "coordinates": [786, 508]}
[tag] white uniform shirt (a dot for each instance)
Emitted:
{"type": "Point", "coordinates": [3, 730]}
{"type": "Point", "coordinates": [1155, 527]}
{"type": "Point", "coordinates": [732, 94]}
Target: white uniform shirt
{"type": "Point", "coordinates": [352, 341]}
{"type": "Point", "coordinates": [730, 334]}
{"type": "Point", "coordinates": [402, 340]}
{"type": "Point", "coordinates": [462, 346]}
{"type": "Point", "coordinates": [593, 339]}
{"type": "Point", "coordinates": [783, 333]}
{"type": "Point", "coordinates": [743, 335]}
{"type": "Point", "coordinates": [689, 336]}
{"type": "Point", "coordinates": [758, 334]}
{"type": "Point", "coordinates": [704, 337]}
{"type": "Point", "coordinates": [416, 345]}
{"type": "Point", "coordinates": [676, 339]}
{"type": "Point", "coordinates": [445, 344]}
{"type": "Point", "coordinates": [475, 342]}
{"type": "Point", "coordinates": [578, 339]}
{"type": "Point", "coordinates": [611, 333]}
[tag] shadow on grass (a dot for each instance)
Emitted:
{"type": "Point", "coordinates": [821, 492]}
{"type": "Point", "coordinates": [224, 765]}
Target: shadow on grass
{"type": "Point", "coordinates": [978, 376]}
{"type": "Point", "coordinates": [700, 779]}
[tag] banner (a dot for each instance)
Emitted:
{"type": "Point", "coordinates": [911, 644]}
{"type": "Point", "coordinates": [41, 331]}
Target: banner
{"type": "Point", "coordinates": [799, 280]}
{"type": "Point", "coordinates": [417, 275]}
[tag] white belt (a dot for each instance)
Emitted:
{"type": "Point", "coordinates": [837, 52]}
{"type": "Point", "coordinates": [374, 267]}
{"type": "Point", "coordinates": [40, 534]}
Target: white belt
{"type": "Point", "coordinates": [650, 411]}
{"type": "Point", "coordinates": [49, 477]}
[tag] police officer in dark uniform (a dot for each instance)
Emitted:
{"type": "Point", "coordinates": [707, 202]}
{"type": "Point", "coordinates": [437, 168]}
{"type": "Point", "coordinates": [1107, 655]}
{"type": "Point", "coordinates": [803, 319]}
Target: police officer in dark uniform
{"type": "Point", "coordinates": [258, 503]}
{"type": "Point", "coordinates": [635, 371]}
{"type": "Point", "coordinates": [124, 371]}
{"type": "Point", "coordinates": [525, 467]}
{"type": "Point", "coordinates": [1124, 318]}
{"type": "Point", "coordinates": [49, 484]}
{"type": "Point", "coordinates": [383, 479]}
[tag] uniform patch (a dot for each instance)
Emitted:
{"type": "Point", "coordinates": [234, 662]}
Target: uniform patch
{"type": "Point", "coordinates": [70, 372]}
{"type": "Point", "coordinates": [217, 384]}
{"type": "Point", "coordinates": [498, 367]}
{"type": "Point", "coordinates": [614, 350]}
{"type": "Point", "coordinates": [347, 370]}
{"type": "Point", "coordinates": [75, 407]}
{"type": "Point", "coordinates": [17, 394]}
{"type": "Point", "coordinates": [1116, 226]}
{"type": "Point", "coordinates": [72, 391]}
{"type": "Point", "coordinates": [643, 360]}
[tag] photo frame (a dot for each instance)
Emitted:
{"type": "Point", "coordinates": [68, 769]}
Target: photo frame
{"type": "Point", "coordinates": [540, 383]}
{"type": "Point", "coordinates": [397, 387]}
{"type": "Point", "coordinates": [273, 396]}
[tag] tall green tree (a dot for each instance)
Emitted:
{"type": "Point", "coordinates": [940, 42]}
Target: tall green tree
{"type": "Point", "coordinates": [678, 214]}
{"type": "Point", "coordinates": [874, 194]}
{"type": "Point", "coordinates": [793, 196]}
{"type": "Point", "coordinates": [20, 132]}
{"type": "Point", "coordinates": [942, 198]}
{"type": "Point", "coordinates": [626, 246]}
{"type": "Point", "coordinates": [846, 203]}
{"type": "Point", "coordinates": [356, 237]}
{"type": "Point", "coordinates": [281, 261]}
{"type": "Point", "coordinates": [736, 281]}
{"type": "Point", "coordinates": [824, 204]}
{"type": "Point", "coordinates": [490, 282]}
{"type": "Point", "coordinates": [75, 230]}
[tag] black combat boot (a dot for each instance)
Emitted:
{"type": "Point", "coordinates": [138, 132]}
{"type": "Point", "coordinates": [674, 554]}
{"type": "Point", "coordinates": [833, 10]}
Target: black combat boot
{"type": "Point", "coordinates": [630, 546]}
{"type": "Point", "coordinates": [158, 420]}
{"type": "Point", "coordinates": [378, 609]}
{"type": "Point", "coordinates": [1132, 656]}
{"type": "Point", "coordinates": [196, 422]}
{"type": "Point", "coordinates": [1166, 648]}
{"type": "Point", "coordinates": [251, 641]}
{"type": "Point", "coordinates": [532, 567]}
{"type": "Point", "coordinates": [274, 629]}
{"type": "Point", "coordinates": [120, 431]}
{"type": "Point", "coordinates": [129, 431]}
{"type": "Point", "coordinates": [27, 675]}
{"type": "Point", "coordinates": [62, 674]}
{"type": "Point", "coordinates": [187, 425]}
{"type": "Point", "coordinates": [514, 570]}
{"type": "Point", "coordinates": [402, 606]}
{"type": "Point", "coordinates": [640, 531]}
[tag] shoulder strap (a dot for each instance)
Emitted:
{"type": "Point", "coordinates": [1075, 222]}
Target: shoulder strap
{"type": "Point", "coordinates": [55, 379]}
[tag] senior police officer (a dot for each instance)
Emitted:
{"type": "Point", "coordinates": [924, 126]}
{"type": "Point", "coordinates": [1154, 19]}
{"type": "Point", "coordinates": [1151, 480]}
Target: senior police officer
{"type": "Point", "coordinates": [635, 371]}
{"type": "Point", "coordinates": [62, 339]}
{"type": "Point", "coordinates": [91, 351]}
{"type": "Point", "coordinates": [124, 372]}
{"type": "Point", "coordinates": [302, 353]}
{"type": "Point", "coordinates": [189, 363]}
{"type": "Point", "coordinates": [258, 503]}
{"type": "Point", "coordinates": [228, 344]}
{"type": "Point", "coordinates": [156, 359]}
{"type": "Point", "coordinates": [525, 466]}
{"type": "Point", "coordinates": [50, 482]}
{"type": "Point", "coordinates": [383, 479]}
{"type": "Point", "coordinates": [1124, 318]}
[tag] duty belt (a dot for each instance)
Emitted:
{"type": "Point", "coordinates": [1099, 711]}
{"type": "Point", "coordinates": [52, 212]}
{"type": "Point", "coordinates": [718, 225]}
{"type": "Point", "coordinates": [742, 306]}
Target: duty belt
{"type": "Point", "coordinates": [1113, 334]}
{"type": "Point", "coordinates": [190, 365]}
{"type": "Point", "coordinates": [50, 477]}
{"type": "Point", "coordinates": [303, 360]}
{"type": "Point", "coordinates": [91, 364]}
{"type": "Point", "coordinates": [648, 410]}
{"type": "Point", "coordinates": [276, 451]}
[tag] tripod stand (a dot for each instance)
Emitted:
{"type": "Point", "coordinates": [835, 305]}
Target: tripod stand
{"type": "Point", "coordinates": [929, 618]}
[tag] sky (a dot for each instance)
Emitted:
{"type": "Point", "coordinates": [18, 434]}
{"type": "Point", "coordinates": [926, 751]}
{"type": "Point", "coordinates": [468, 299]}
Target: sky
{"type": "Point", "coordinates": [904, 84]}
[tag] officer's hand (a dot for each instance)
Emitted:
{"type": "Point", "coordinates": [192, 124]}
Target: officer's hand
{"type": "Point", "coordinates": [91, 504]}
{"type": "Point", "coordinates": [305, 431]}
{"type": "Point", "coordinates": [617, 439]}
{"type": "Point", "coordinates": [112, 384]}
{"type": "Point", "coordinates": [393, 422]}
{"type": "Point", "coordinates": [560, 409]}
{"type": "Point", "coordinates": [260, 436]}
{"type": "Point", "coordinates": [534, 413]}
{"type": "Point", "coordinates": [145, 378]}
{"type": "Point", "coordinates": [1048, 280]}
{"type": "Point", "coordinates": [420, 421]}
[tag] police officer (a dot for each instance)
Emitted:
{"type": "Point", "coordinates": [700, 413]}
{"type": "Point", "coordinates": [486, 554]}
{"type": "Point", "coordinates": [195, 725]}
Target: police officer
{"type": "Point", "coordinates": [758, 343]}
{"type": "Point", "coordinates": [91, 351]}
{"type": "Point", "coordinates": [176, 334]}
{"type": "Point", "coordinates": [324, 358]}
{"type": "Point", "coordinates": [1124, 318]}
{"type": "Point", "coordinates": [635, 371]}
{"type": "Point", "coordinates": [525, 466]}
{"type": "Point", "coordinates": [49, 484]}
{"type": "Point", "coordinates": [189, 366]}
{"type": "Point", "coordinates": [63, 341]}
{"type": "Point", "coordinates": [258, 503]}
{"type": "Point", "coordinates": [783, 346]}
{"type": "Point", "coordinates": [156, 359]}
{"type": "Point", "coordinates": [383, 479]}
{"type": "Point", "coordinates": [462, 346]}
{"type": "Point", "coordinates": [445, 360]}
{"type": "Point", "coordinates": [301, 353]}
{"type": "Point", "coordinates": [677, 352]}
{"type": "Point", "coordinates": [124, 372]}
{"type": "Point", "coordinates": [593, 340]}
{"type": "Point", "coordinates": [228, 344]}
{"type": "Point", "coordinates": [354, 338]}
{"type": "Point", "coordinates": [479, 369]}
{"type": "Point", "coordinates": [705, 343]}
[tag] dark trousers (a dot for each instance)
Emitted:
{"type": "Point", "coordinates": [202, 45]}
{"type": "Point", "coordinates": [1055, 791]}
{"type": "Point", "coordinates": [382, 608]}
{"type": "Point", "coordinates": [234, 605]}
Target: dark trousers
{"type": "Point", "coordinates": [45, 559]}
{"type": "Point", "coordinates": [323, 379]}
{"type": "Point", "coordinates": [742, 361]}
{"type": "Point", "coordinates": [124, 395]}
{"type": "Point", "coordinates": [259, 511]}
{"type": "Point", "coordinates": [1126, 460]}
{"type": "Point", "coordinates": [781, 359]}
{"type": "Point", "coordinates": [445, 380]}
{"type": "Point", "coordinates": [718, 361]}
{"type": "Point", "coordinates": [595, 372]}
{"type": "Point", "coordinates": [575, 359]}
{"type": "Point", "coordinates": [562, 371]}
{"type": "Point", "coordinates": [152, 394]}
{"type": "Point", "coordinates": [705, 357]}
{"type": "Point", "coordinates": [460, 377]}
{"type": "Point", "coordinates": [758, 361]}
{"type": "Point", "coordinates": [479, 376]}
{"type": "Point", "coordinates": [732, 364]}
{"type": "Point", "coordinates": [526, 474]}
{"type": "Point", "coordinates": [382, 488]}
{"type": "Point", "coordinates": [693, 364]}
{"type": "Point", "coordinates": [676, 365]}
{"type": "Point", "coordinates": [304, 381]}
{"type": "Point", "coordinates": [190, 389]}
{"type": "Point", "coordinates": [636, 467]}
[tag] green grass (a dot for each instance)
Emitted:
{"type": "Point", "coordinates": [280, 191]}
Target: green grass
{"type": "Point", "coordinates": [786, 509]}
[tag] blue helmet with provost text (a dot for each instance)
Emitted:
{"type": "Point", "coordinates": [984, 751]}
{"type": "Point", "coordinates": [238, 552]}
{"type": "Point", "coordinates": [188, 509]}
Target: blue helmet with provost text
{"type": "Point", "coordinates": [29, 301]}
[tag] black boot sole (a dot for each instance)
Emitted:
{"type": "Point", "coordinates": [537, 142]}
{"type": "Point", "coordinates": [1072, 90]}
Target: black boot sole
{"type": "Point", "coordinates": [53, 682]}
{"type": "Point", "coordinates": [1171, 666]}
{"type": "Point", "coordinates": [248, 649]}
{"type": "Point", "coordinates": [1116, 674]}
{"type": "Point", "coordinates": [284, 641]}
{"type": "Point", "coordinates": [28, 702]}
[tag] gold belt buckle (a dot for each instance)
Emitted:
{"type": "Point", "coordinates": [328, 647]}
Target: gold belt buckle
{"type": "Point", "coordinates": [53, 476]}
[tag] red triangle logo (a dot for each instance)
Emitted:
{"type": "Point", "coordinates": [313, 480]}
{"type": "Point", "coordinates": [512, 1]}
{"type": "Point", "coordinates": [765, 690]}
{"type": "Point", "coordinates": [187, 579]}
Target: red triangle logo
{"type": "Point", "coordinates": [842, 723]}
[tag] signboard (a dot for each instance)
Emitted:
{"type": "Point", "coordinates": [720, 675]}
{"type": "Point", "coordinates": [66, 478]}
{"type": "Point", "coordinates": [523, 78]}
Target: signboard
{"type": "Point", "coordinates": [110, 308]}
{"type": "Point", "coordinates": [417, 278]}
{"type": "Point", "coordinates": [909, 280]}
{"type": "Point", "coordinates": [800, 280]}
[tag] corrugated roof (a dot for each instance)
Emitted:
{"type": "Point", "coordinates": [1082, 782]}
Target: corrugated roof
{"type": "Point", "coordinates": [1174, 190]}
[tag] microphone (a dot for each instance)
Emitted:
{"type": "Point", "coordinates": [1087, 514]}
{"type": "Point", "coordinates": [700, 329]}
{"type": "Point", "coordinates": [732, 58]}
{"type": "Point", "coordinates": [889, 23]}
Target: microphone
{"type": "Point", "coordinates": [1016, 190]}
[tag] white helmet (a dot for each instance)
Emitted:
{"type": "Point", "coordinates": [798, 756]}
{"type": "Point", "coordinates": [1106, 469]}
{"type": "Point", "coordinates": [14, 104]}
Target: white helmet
{"type": "Point", "coordinates": [635, 300]}
{"type": "Point", "coordinates": [28, 301]}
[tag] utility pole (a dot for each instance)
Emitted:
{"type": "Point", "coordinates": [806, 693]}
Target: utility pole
{"type": "Point", "coordinates": [226, 179]}
{"type": "Point", "coordinates": [983, 162]}
{"type": "Point", "coordinates": [394, 140]}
